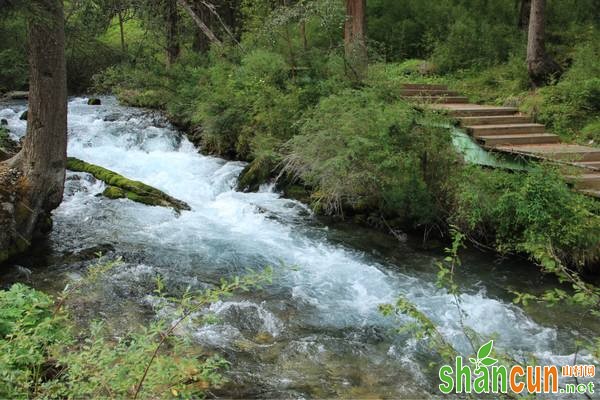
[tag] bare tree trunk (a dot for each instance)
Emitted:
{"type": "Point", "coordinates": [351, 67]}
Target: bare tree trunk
{"type": "Point", "coordinates": [524, 11]}
{"type": "Point", "coordinates": [122, 30]}
{"type": "Point", "coordinates": [539, 65]}
{"type": "Point", "coordinates": [172, 20]}
{"type": "Point", "coordinates": [355, 37]}
{"type": "Point", "coordinates": [303, 34]}
{"type": "Point", "coordinates": [199, 23]}
{"type": "Point", "coordinates": [32, 181]}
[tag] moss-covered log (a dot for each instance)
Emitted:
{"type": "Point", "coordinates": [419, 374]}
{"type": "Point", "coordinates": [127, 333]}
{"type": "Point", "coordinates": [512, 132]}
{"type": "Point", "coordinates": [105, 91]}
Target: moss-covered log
{"type": "Point", "coordinates": [120, 187]}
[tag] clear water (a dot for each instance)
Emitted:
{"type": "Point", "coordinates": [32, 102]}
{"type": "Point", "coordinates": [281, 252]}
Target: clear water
{"type": "Point", "coordinates": [316, 332]}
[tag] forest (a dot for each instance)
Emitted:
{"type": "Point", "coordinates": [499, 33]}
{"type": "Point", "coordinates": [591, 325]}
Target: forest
{"type": "Point", "coordinates": [299, 198]}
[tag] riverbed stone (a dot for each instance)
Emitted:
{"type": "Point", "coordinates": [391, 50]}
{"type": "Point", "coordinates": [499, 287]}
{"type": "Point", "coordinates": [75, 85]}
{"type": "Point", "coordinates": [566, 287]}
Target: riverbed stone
{"type": "Point", "coordinates": [94, 101]}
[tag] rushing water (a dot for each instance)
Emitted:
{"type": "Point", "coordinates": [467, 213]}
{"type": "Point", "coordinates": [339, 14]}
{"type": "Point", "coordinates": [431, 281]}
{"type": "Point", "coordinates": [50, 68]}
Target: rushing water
{"type": "Point", "coordinates": [316, 331]}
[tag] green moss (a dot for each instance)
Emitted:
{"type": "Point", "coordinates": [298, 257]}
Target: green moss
{"type": "Point", "coordinates": [121, 187]}
{"type": "Point", "coordinates": [255, 174]}
{"type": "Point", "coordinates": [114, 193]}
{"type": "Point", "coordinates": [17, 248]}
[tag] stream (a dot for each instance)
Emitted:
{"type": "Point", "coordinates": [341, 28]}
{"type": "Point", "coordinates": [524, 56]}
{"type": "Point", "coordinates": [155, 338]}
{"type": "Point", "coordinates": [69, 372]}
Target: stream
{"type": "Point", "coordinates": [316, 331]}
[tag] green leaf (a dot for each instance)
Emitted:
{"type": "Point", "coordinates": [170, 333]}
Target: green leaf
{"type": "Point", "coordinates": [489, 361]}
{"type": "Point", "coordinates": [485, 350]}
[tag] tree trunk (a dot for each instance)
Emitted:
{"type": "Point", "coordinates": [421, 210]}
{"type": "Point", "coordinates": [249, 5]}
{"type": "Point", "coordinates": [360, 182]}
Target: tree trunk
{"type": "Point", "coordinates": [32, 181]}
{"type": "Point", "coordinates": [122, 30]}
{"type": "Point", "coordinates": [524, 11]}
{"type": "Point", "coordinates": [355, 37]}
{"type": "Point", "coordinates": [539, 65]}
{"type": "Point", "coordinates": [172, 20]}
{"type": "Point", "coordinates": [199, 23]}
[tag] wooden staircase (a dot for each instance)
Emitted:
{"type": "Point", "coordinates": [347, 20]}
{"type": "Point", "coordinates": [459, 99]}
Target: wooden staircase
{"type": "Point", "coordinates": [506, 130]}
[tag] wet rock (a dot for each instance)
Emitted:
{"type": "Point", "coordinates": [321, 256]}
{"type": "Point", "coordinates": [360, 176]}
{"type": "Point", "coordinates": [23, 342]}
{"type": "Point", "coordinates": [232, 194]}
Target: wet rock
{"type": "Point", "coordinates": [89, 253]}
{"type": "Point", "coordinates": [112, 117]}
{"type": "Point", "coordinates": [8, 146]}
{"type": "Point", "coordinates": [23, 116]}
{"type": "Point", "coordinates": [94, 101]}
{"type": "Point", "coordinates": [255, 174]}
{"type": "Point", "coordinates": [3, 121]}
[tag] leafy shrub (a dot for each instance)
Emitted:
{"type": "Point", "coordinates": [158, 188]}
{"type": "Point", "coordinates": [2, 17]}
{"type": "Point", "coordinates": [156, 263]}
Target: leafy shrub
{"type": "Point", "coordinates": [534, 213]}
{"type": "Point", "coordinates": [377, 156]}
{"type": "Point", "coordinates": [473, 43]}
{"type": "Point", "coordinates": [574, 102]}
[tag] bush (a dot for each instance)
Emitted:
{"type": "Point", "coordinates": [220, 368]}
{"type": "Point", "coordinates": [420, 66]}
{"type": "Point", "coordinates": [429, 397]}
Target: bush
{"type": "Point", "coordinates": [377, 156]}
{"type": "Point", "coordinates": [574, 102]}
{"type": "Point", "coordinates": [473, 43]}
{"type": "Point", "coordinates": [534, 213]}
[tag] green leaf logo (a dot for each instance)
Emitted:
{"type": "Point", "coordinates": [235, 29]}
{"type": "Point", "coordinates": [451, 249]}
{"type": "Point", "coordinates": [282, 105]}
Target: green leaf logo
{"type": "Point", "coordinates": [483, 356]}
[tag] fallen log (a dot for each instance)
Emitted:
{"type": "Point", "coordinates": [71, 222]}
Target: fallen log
{"type": "Point", "coordinates": [120, 187]}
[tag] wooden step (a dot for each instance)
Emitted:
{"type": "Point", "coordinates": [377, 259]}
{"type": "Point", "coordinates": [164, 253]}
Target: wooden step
{"type": "Point", "coordinates": [474, 110]}
{"type": "Point", "coordinates": [495, 120]}
{"type": "Point", "coordinates": [533, 138]}
{"type": "Point", "coordinates": [424, 86]}
{"type": "Point", "coordinates": [442, 99]}
{"type": "Point", "coordinates": [585, 181]}
{"type": "Point", "coordinates": [489, 130]}
{"type": "Point", "coordinates": [427, 92]}
{"type": "Point", "coordinates": [591, 192]}
{"type": "Point", "coordinates": [589, 164]}
{"type": "Point", "coordinates": [561, 151]}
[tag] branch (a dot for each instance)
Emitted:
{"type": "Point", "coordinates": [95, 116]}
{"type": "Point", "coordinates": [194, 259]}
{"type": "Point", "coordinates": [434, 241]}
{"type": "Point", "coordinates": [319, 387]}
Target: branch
{"type": "Point", "coordinates": [203, 27]}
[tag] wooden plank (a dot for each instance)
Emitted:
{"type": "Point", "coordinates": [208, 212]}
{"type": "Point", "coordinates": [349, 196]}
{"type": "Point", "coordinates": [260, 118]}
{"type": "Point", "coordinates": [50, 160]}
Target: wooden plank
{"type": "Point", "coordinates": [489, 130]}
{"type": "Point", "coordinates": [504, 140]}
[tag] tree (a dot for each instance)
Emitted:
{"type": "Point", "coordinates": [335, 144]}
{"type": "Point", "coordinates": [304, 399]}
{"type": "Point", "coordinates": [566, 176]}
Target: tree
{"type": "Point", "coordinates": [355, 37]}
{"type": "Point", "coordinates": [539, 64]}
{"type": "Point", "coordinates": [524, 11]}
{"type": "Point", "coordinates": [199, 22]}
{"type": "Point", "coordinates": [32, 181]}
{"type": "Point", "coordinates": [172, 22]}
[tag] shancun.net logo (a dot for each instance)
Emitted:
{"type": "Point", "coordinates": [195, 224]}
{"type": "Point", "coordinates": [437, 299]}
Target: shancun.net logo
{"type": "Point", "coordinates": [483, 375]}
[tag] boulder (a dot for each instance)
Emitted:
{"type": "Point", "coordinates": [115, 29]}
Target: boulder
{"type": "Point", "coordinates": [23, 116]}
{"type": "Point", "coordinates": [3, 121]}
{"type": "Point", "coordinates": [94, 101]}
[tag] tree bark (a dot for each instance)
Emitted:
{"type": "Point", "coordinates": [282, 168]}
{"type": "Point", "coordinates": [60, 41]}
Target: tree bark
{"type": "Point", "coordinates": [355, 37]}
{"type": "Point", "coordinates": [199, 23]}
{"type": "Point", "coordinates": [122, 30]}
{"type": "Point", "coordinates": [524, 11]}
{"type": "Point", "coordinates": [172, 20]}
{"type": "Point", "coordinates": [32, 182]}
{"type": "Point", "coordinates": [539, 65]}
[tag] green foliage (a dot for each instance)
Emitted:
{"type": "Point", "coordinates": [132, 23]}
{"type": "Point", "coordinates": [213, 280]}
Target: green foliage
{"type": "Point", "coordinates": [533, 213]}
{"type": "Point", "coordinates": [13, 54]}
{"type": "Point", "coordinates": [44, 354]}
{"type": "Point", "coordinates": [377, 156]}
{"type": "Point", "coordinates": [474, 43]}
{"type": "Point", "coordinates": [28, 331]}
{"type": "Point", "coordinates": [574, 102]}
